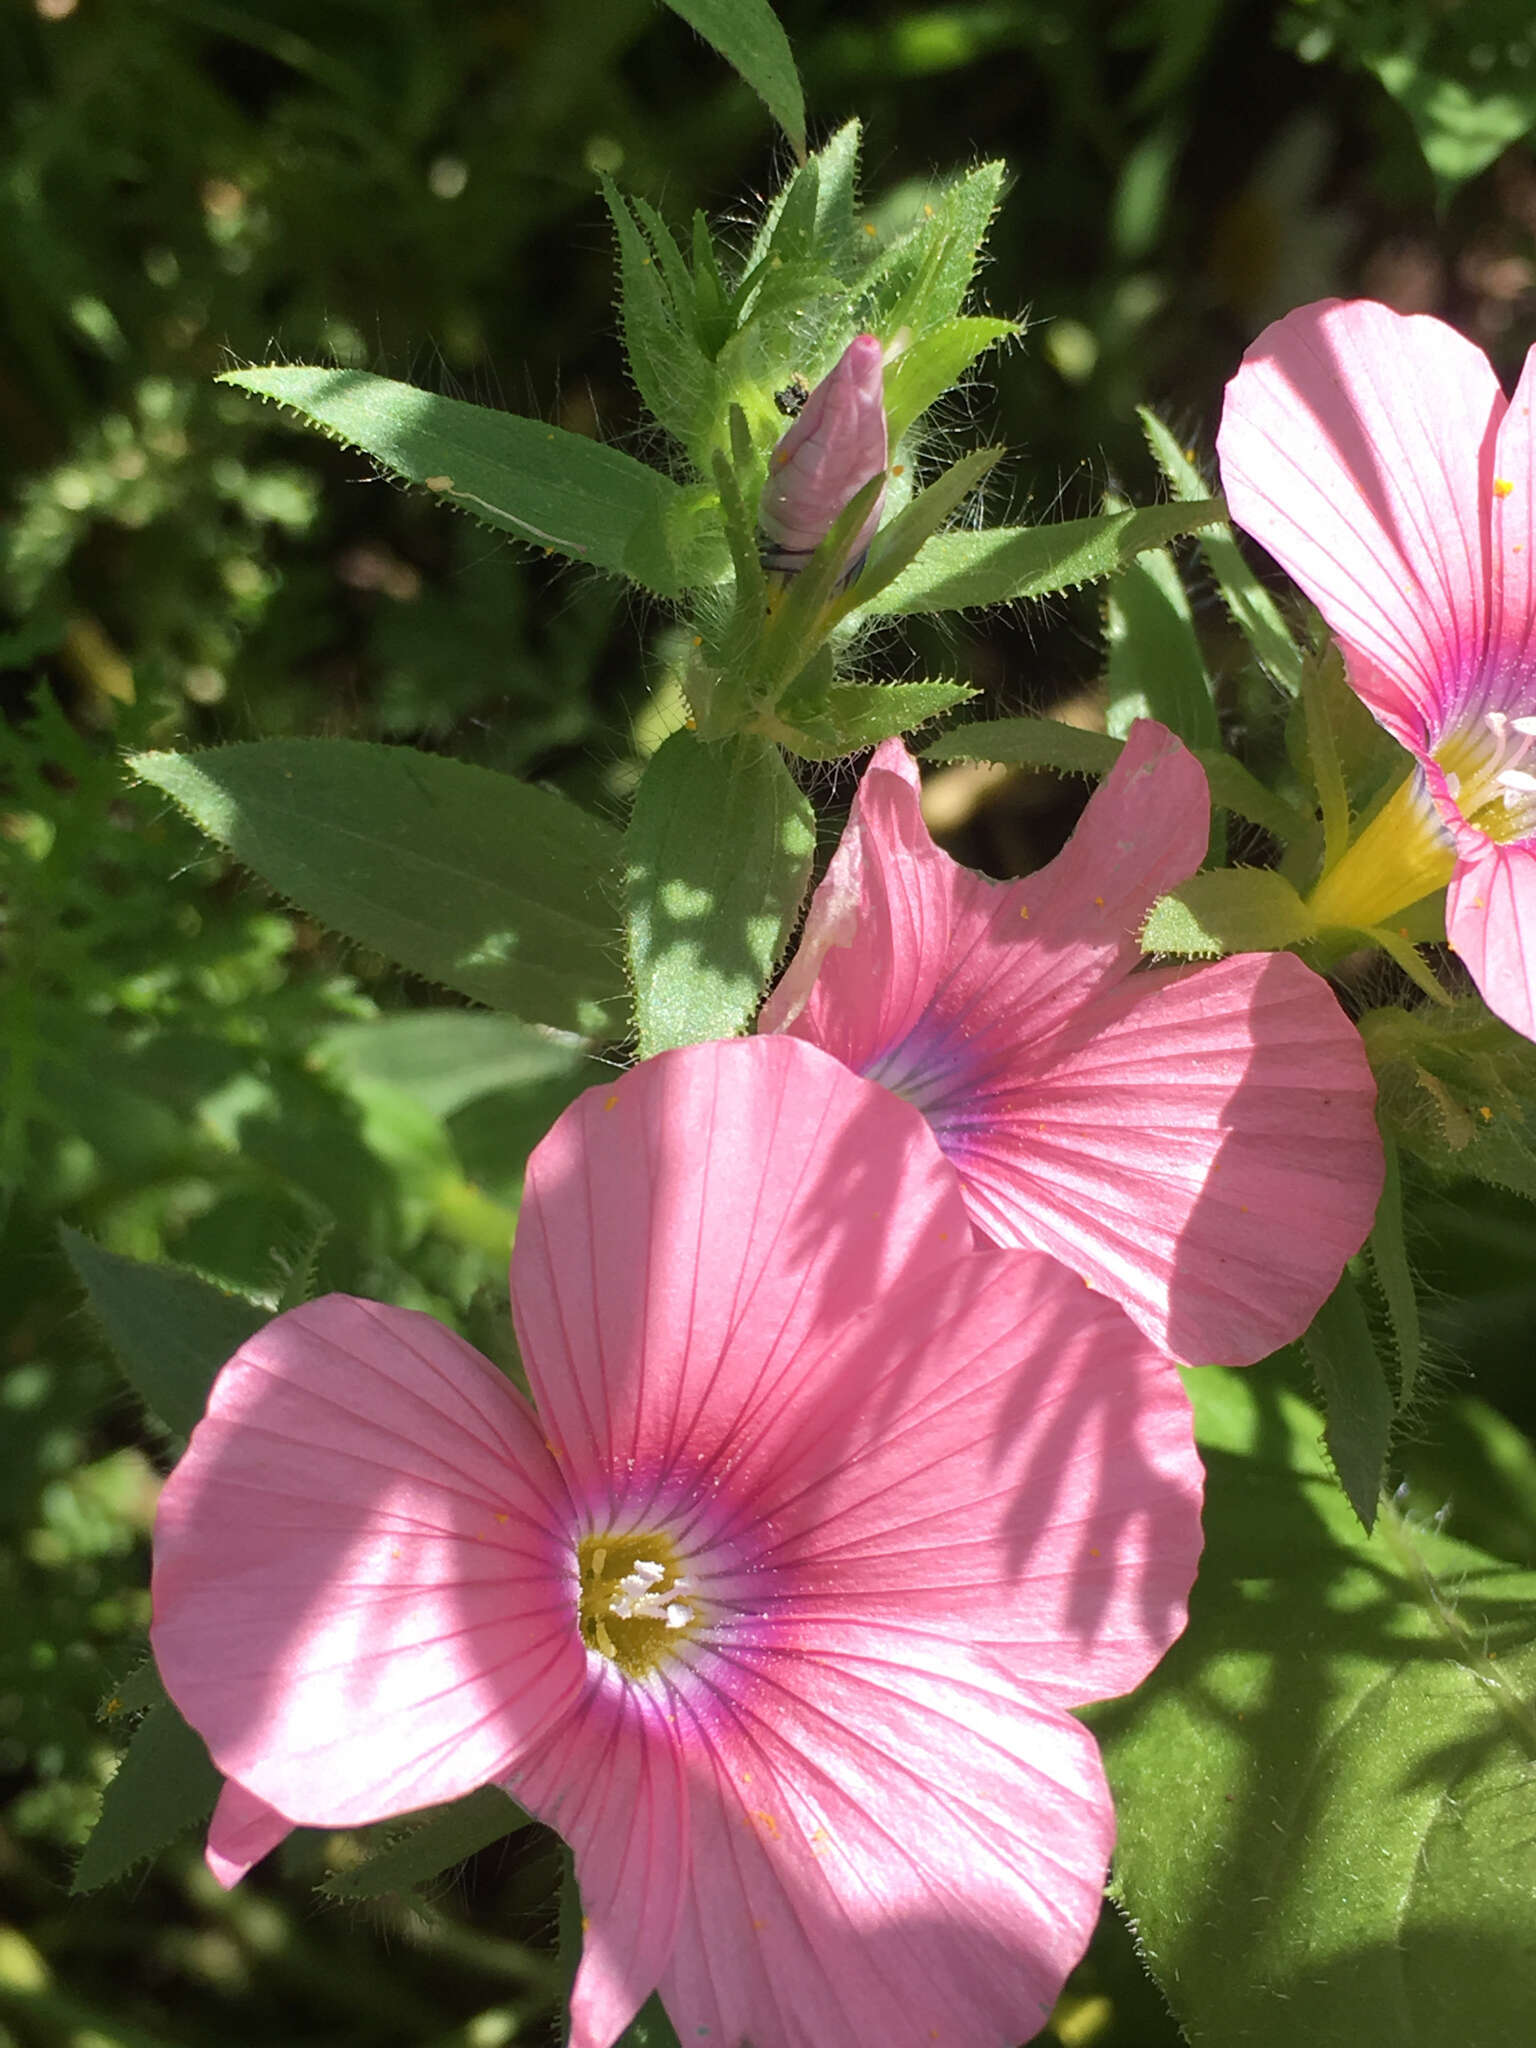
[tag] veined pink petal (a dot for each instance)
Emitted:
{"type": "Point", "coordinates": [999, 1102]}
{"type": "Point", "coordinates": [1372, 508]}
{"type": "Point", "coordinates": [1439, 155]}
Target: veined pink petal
{"type": "Point", "coordinates": [686, 1230]}
{"type": "Point", "coordinates": [993, 1449]}
{"type": "Point", "coordinates": [1490, 918]}
{"type": "Point", "coordinates": [895, 1849]}
{"type": "Point", "coordinates": [1357, 446]}
{"type": "Point", "coordinates": [1512, 548]}
{"type": "Point", "coordinates": [364, 1578]}
{"type": "Point", "coordinates": [243, 1830]}
{"type": "Point", "coordinates": [610, 1778]}
{"type": "Point", "coordinates": [1200, 1143]}
{"type": "Point", "coordinates": [937, 962]}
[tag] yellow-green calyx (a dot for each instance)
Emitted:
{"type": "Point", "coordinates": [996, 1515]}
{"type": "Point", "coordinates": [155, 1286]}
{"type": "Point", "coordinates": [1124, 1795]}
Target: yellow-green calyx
{"type": "Point", "coordinates": [1403, 855]}
{"type": "Point", "coordinates": [635, 1604]}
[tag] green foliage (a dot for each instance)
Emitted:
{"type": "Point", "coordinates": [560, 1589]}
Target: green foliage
{"type": "Point", "coordinates": [717, 859]}
{"type": "Point", "coordinates": [556, 490]}
{"type": "Point", "coordinates": [1357, 1400]}
{"type": "Point", "coordinates": [421, 1848]}
{"type": "Point", "coordinates": [164, 1785]}
{"type": "Point", "coordinates": [994, 565]}
{"type": "Point", "coordinates": [851, 716]}
{"type": "Point", "coordinates": [1388, 1248]}
{"type": "Point", "coordinates": [1028, 743]}
{"type": "Point", "coordinates": [472, 879]}
{"type": "Point", "coordinates": [171, 1331]}
{"type": "Point", "coordinates": [1323, 1829]}
{"type": "Point", "coordinates": [1458, 1090]}
{"type": "Point", "coordinates": [748, 34]}
{"type": "Point", "coordinates": [1155, 667]}
{"type": "Point", "coordinates": [1229, 910]}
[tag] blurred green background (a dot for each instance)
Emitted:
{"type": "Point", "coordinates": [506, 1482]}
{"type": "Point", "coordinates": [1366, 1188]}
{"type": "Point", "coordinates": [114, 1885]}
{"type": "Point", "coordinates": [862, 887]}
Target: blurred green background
{"type": "Point", "coordinates": [412, 187]}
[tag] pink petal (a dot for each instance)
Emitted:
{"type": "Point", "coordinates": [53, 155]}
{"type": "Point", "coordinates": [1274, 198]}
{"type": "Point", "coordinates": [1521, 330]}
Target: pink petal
{"type": "Point", "coordinates": [825, 459]}
{"type": "Point", "coordinates": [686, 1230]}
{"type": "Point", "coordinates": [1357, 447]}
{"type": "Point", "coordinates": [364, 1585]}
{"type": "Point", "coordinates": [937, 959]}
{"type": "Point", "coordinates": [888, 1849]}
{"type": "Point", "coordinates": [1512, 650]}
{"type": "Point", "coordinates": [990, 1453]}
{"type": "Point", "coordinates": [1490, 918]}
{"type": "Point", "coordinates": [1199, 1143]}
{"type": "Point", "coordinates": [610, 1778]}
{"type": "Point", "coordinates": [243, 1830]}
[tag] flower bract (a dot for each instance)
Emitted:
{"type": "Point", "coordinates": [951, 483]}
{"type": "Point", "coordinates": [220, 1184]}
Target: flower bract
{"type": "Point", "coordinates": [1377, 459]}
{"type": "Point", "coordinates": [774, 1603]}
{"type": "Point", "coordinates": [1197, 1142]}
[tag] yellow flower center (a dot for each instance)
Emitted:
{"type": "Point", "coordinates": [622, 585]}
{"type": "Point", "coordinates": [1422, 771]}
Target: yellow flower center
{"type": "Point", "coordinates": [1403, 854]}
{"type": "Point", "coordinates": [635, 1604]}
{"type": "Point", "coordinates": [1489, 776]}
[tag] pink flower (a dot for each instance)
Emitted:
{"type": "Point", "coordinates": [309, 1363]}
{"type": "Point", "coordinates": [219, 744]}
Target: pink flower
{"type": "Point", "coordinates": [1376, 458]}
{"type": "Point", "coordinates": [1196, 1142]}
{"type": "Point", "coordinates": [832, 450]}
{"type": "Point", "coordinates": [774, 1605]}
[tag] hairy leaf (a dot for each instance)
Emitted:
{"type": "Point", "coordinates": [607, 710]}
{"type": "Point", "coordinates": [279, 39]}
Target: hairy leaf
{"type": "Point", "coordinates": [749, 36]}
{"type": "Point", "coordinates": [1357, 1401]}
{"type": "Point", "coordinates": [422, 1847]}
{"type": "Point", "coordinates": [164, 1785]}
{"type": "Point", "coordinates": [1230, 910]}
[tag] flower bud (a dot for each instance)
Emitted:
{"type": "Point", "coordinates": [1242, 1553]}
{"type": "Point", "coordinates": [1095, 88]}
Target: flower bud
{"type": "Point", "coordinates": [830, 452]}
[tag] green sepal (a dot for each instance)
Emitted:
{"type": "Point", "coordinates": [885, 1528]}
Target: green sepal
{"type": "Point", "coordinates": [672, 372]}
{"type": "Point", "coordinates": [718, 855]}
{"type": "Point", "coordinates": [552, 489]}
{"type": "Point", "coordinates": [1230, 910]}
{"type": "Point", "coordinates": [934, 364]}
{"type": "Point", "coordinates": [997, 564]}
{"type": "Point", "coordinates": [921, 281]}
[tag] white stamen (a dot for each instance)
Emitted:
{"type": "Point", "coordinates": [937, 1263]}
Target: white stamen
{"type": "Point", "coordinates": [1515, 782]}
{"type": "Point", "coordinates": [679, 1614]}
{"type": "Point", "coordinates": [635, 1597]}
{"type": "Point", "coordinates": [1525, 725]}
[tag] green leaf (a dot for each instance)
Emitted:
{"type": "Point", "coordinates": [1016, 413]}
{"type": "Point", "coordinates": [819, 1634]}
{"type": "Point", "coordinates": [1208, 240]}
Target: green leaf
{"type": "Point", "coordinates": [810, 218]}
{"type": "Point", "coordinates": [1253, 611]}
{"type": "Point", "coordinates": [471, 878]}
{"type": "Point", "coordinates": [896, 546]}
{"type": "Point", "coordinates": [446, 1058]}
{"type": "Point", "coordinates": [921, 281]}
{"type": "Point", "coordinates": [556, 490]}
{"type": "Point", "coordinates": [719, 854]}
{"type": "Point", "coordinates": [1356, 1397]}
{"type": "Point", "coordinates": [671, 371]}
{"type": "Point", "coordinates": [934, 364]}
{"type": "Point", "coordinates": [650, 2027]}
{"type": "Point", "coordinates": [1230, 910]}
{"type": "Point", "coordinates": [1028, 743]}
{"type": "Point", "coordinates": [859, 715]}
{"type": "Point", "coordinates": [1389, 1264]}
{"type": "Point", "coordinates": [748, 35]}
{"type": "Point", "coordinates": [997, 564]}
{"type": "Point", "coordinates": [171, 1331]}
{"type": "Point", "coordinates": [1323, 1792]}
{"type": "Point", "coordinates": [1156, 668]}
{"type": "Point", "coordinates": [1458, 1089]}
{"type": "Point", "coordinates": [164, 1785]}
{"type": "Point", "coordinates": [423, 1847]}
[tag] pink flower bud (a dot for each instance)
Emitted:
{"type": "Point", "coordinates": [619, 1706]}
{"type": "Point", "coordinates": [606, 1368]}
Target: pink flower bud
{"type": "Point", "coordinates": [830, 452]}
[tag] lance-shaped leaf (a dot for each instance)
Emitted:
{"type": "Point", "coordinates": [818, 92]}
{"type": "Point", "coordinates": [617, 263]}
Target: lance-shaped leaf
{"type": "Point", "coordinates": [934, 364]}
{"type": "Point", "coordinates": [996, 564]}
{"type": "Point", "coordinates": [749, 36]}
{"type": "Point", "coordinates": [1389, 1264]}
{"type": "Point", "coordinates": [897, 546]}
{"type": "Point", "coordinates": [1155, 667]}
{"type": "Point", "coordinates": [473, 879]}
{"type": "Point", "coordinates": [1230, 910]}
{"type": "Point", "coordinates": [164, 1785]}
{"type": "Point", "coordinates": [1254, 612]}
{"type": "Point", "coordinates": [853, 716]}
{"type": "Point", "coordinates": [1324, 1791]}
{"type": "Point", "coordinates": [923, 278]}
{"type": "Point", "coordinates": [718, 855]}
{"type": "Point", "coordinates": [1457, 1089]}
{"type": "Point", "coordinates": [558, 491]}
{"type": "Point", "coordinates": [171, 1331]}
{"type": "Point", "coordinates": [811, 215]}
{"type": "Point", "coordinates": [1357, 1401]}
{"type": "Point", "coordinates": [672, 373]}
